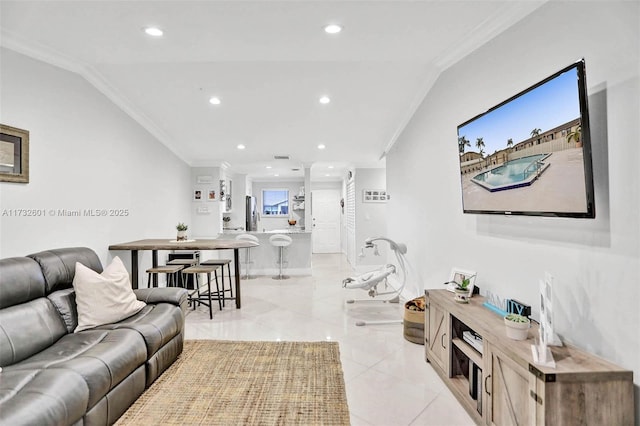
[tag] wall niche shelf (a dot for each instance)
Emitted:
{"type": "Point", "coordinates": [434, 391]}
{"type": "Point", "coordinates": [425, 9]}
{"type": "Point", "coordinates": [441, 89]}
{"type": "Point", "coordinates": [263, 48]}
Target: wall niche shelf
{"type": "Point", "coordinates": [501, 385]}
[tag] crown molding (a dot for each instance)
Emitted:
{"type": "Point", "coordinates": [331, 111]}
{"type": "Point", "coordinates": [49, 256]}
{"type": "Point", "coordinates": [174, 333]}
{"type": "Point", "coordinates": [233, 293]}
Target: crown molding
{"type": "Point", "coordinates": [508, 15]}
{"type": "Point", "coordinates": [58, 59]}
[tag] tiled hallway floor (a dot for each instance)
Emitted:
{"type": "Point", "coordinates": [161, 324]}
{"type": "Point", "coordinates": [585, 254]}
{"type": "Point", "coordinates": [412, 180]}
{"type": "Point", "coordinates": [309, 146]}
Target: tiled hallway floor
{"type": "Point", "coordinates": [387, 380]}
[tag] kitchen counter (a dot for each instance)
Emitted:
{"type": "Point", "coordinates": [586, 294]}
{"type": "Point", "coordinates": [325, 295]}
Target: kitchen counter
{"type": "Point", "coordinates": [264, 257]}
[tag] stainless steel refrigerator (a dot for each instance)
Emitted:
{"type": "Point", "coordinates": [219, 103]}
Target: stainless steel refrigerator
{"type": "Point", "coordinates": [251, 209]}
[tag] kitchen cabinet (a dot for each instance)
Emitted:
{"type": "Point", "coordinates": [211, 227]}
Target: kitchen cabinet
{"type": "Point", "coordinates": [498, 383]}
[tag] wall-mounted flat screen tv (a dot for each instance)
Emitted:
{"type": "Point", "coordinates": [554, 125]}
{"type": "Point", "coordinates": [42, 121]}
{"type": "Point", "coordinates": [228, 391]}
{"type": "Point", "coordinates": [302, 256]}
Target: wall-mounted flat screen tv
{"type": "Point", "coordinates": [531, 154]}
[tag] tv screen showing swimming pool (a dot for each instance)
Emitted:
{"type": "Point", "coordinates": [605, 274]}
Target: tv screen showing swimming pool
{"type": "Point", "coordinates": [531, 154]}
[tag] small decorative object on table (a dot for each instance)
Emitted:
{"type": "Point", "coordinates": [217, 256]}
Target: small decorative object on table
{"type": "Point", "coordinates": [292, 222]}
{"type": "Point", "coordinates": [517, 326]}
{"type": "Point", "coordinates": [182, 232]}
{"type": "Point", "coordinates": [461, 283]}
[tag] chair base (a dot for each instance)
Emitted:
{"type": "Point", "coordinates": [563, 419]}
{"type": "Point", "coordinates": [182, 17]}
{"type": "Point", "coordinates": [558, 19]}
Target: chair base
{"type": "Point", "coordinates": [281, 277]}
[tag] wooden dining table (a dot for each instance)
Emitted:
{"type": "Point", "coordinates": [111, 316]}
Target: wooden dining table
{"type": "Point", "coordinates": [198, 244]}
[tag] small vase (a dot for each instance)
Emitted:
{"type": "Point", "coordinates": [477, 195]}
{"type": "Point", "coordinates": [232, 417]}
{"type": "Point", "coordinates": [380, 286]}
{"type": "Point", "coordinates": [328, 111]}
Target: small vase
{"type": "Point", "coordinates": [182, 236]}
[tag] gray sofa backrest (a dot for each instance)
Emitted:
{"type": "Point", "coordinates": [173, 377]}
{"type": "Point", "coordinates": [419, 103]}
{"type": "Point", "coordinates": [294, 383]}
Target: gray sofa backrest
{"type": "Point", "coordinates": [37, 301]}
{"type": "Point", "coordinates": [29, 322]}
{"type": "Point", "coordinates": [59, 265]}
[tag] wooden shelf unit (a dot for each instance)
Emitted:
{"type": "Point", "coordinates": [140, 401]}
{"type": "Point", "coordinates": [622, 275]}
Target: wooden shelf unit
{"type": "Point", "coordinates": [511, 389]}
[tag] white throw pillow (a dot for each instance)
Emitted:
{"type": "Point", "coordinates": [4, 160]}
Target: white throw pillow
{"type": "Point", "coordinates": [104, 298]}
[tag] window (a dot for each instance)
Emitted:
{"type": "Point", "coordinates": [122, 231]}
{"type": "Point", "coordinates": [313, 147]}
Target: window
{"type": "Point", "coordinates": [275, 202]}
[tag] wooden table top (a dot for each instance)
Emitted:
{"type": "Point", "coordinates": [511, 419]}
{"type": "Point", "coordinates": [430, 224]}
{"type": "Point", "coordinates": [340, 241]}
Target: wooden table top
{"type": "Point", "coordinates": [167, 244]}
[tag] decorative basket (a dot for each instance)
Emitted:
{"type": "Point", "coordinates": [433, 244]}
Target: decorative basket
{"type": "Point", "coordinates": [414, 320]}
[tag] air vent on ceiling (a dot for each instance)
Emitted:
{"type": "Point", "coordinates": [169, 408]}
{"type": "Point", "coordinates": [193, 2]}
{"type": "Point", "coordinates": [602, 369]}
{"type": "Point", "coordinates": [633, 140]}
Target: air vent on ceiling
{"type": "Point", "coordinates": [295, 170]}
{"type": "Point", "coordinates": [281, 157]}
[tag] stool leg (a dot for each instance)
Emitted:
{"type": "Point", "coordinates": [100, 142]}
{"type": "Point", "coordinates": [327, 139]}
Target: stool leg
{"type": "Point", "coordinates": [229, 276]}
{"type": "Point", "coordinates": [196, 291]}
{"type": "Point", "coordinates": [215, 274]}
{"type": "Point", "coordinates": [209, 295]}
{"type": "Point", "coordinates": [220, 294]}
{"type": "Point", "coordinates": [247, 262]}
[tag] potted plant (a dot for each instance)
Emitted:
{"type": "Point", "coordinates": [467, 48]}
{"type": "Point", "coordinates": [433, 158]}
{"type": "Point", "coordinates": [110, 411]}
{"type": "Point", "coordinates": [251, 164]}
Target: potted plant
{"type": "Point", "coordinates": [517, 326]}
{"type": "Point", "coordinates": [182, 232]}
{"type": "Point", "coordinates": [462, 291]}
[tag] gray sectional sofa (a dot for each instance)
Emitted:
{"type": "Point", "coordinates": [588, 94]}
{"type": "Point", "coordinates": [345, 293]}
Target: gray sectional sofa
{"type": "Point", "coordinates": [53, 376]}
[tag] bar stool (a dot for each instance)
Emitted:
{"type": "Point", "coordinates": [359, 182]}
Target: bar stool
{"type": "Point", "coordinates": [221, 263]}
{"type": "Point", "coordinates": [281, 241]}
{"type": "Point", "coordinates": [247, 252]}
{"type": "Point", "coordinates": [203, 298]}
{"type": "Point", "coordinates": [185, 263]}
{"type": "Point", "coordinates": [173, 279]}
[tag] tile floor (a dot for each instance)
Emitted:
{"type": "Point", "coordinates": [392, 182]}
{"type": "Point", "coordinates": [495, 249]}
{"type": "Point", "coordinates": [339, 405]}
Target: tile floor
{"type": "Point", "coordinates": [387, 380]}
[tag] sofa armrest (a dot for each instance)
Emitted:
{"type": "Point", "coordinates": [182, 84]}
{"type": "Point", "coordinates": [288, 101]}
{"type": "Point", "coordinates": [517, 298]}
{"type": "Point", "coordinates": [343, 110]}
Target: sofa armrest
{"type": "Point", "coordinates": [173, 295]}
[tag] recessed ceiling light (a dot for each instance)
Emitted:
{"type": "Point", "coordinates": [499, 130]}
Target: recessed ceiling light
{"type": "Point", "coordinates": [332, 29]}
{"type": "Point", "coordinates": [331, 167]}
{"type": "Point", "coordinates": [324, 100]}
{"type": "Point", "coordinates": [214, 100]}
{"type": "Point", "coordinates": [154, 31]}
{"type": "Point", "coordinates": [327, 175]}
{"type": "Point", "coordinates": [321, 146]}
{"type": "Point", "coordinates": [240, 146]}
{"type": "Point", "coordinates": [276, 175]}
{"type": "Point", "coordinates": [268, 167]}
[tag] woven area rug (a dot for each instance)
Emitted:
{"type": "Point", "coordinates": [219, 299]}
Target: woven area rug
{"type": "Point", "coordinates": [247, 383]}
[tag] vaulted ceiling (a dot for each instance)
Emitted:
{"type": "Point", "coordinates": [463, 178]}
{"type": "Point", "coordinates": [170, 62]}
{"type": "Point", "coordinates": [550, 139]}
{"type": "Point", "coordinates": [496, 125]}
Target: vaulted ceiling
{"type": "Point", "coordinates": [268, 62]}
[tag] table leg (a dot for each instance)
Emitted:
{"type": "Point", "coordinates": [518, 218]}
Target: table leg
{"type": "Point", "coordinates": [236, 263]}
{"type": "Point", "coordinates": [154, 263]}
{"type": "Point", "coordinates": [134, 269]}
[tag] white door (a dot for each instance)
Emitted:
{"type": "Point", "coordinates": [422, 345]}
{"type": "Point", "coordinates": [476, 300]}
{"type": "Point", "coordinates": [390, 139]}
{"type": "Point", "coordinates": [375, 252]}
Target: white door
{"type": "Point", "coordinates": [325, 211]}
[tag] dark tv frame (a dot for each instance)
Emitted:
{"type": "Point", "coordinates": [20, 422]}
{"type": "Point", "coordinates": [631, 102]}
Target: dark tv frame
{"type": "Point", "coordinates": [586, 147]}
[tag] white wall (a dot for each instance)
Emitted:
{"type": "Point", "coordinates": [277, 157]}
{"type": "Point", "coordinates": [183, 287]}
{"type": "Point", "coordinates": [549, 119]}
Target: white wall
{"type": "Point", "coordinates": [595, 262]}
{"type": "Point", "coordinates": [206, 215]}
{"type": "Point", "coordinates": [85, 153]}
{"type": "Point", "coordinates": [371, 218]}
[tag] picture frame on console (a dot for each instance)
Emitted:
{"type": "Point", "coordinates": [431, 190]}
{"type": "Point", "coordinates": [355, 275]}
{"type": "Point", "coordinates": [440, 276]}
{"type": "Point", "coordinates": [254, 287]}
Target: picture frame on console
{"type": "Point", "coordinates": [456, 277]}
{"type": "Point", "coordinates": [14, 154]}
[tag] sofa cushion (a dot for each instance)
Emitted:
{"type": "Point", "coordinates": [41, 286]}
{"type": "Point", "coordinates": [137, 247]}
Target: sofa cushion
{"type": "Point", "coordinates": [104, 298]}
{"type": "Point", "coordinates": [103, 358]}
{"type": "Point", "coordinates": [59, 265]}
{"type": "Point", "coordinates": [21, 281]}
{"type": "Point", "coordinates": [27, 329]}
{"type": "Point", "coordinates": [42, 397]}
{"type": "Point", "coordinates": [157, 324]}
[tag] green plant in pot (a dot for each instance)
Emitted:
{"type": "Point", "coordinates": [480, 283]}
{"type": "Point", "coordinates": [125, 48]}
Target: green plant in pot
{"type": "Point", "coordinates": [517, 326]}
{"type": "Point", "coordinates": [462, 290]}
{"type": "Point", "coordinates": [182, 231]}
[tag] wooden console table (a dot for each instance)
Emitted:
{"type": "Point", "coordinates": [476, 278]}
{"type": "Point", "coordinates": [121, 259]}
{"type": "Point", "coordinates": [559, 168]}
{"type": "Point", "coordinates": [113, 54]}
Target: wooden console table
{"type": "Point", "coordinates": [509, 389]}
{"type": "Point", "coordinates": [163, 244]}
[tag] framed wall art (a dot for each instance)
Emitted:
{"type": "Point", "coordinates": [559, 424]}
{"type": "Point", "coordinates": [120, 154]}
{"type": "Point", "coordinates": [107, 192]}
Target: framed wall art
{"type": "Point", "coordinates": [374, 196]}
{"type": "Point", "coordinates": [14, 154]}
